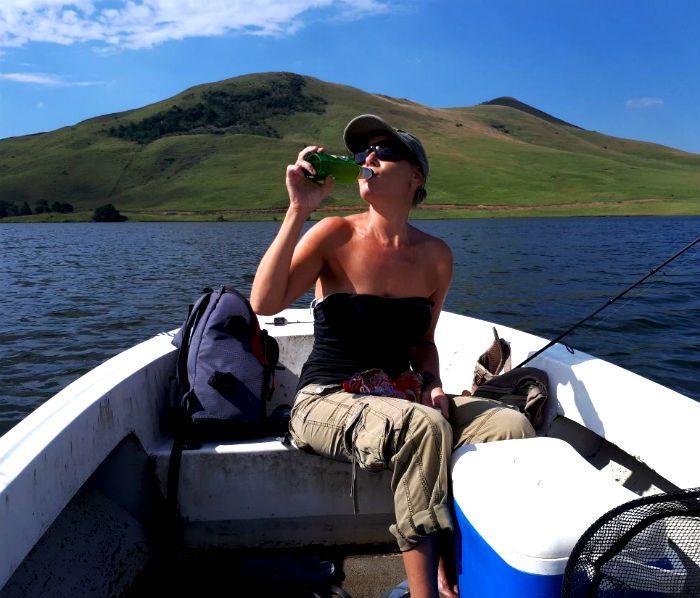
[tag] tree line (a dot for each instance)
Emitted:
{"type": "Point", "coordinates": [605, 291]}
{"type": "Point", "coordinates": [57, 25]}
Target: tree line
{"type": "Point", "coordinates": [9, 208]}
{"type": "Point", "coordinates": [106, 213]}
{"type": "Point", "coordinates": [220, 110]}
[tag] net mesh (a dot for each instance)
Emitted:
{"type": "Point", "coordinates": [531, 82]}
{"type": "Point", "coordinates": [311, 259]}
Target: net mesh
{"type": "Point", "coordinates": [646, 548]}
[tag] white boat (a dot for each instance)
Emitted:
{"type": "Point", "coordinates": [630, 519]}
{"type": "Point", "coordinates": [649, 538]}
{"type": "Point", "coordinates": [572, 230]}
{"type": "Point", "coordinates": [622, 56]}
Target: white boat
{"type": "Point", "coordinates": [83, 477]}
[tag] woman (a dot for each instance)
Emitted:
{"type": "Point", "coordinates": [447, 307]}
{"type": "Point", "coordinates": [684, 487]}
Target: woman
{"type": "Point", "coordinates": [380, 284]}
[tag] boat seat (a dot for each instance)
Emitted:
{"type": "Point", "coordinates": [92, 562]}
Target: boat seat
{"type": "Point", "coordinates": [264, 493]}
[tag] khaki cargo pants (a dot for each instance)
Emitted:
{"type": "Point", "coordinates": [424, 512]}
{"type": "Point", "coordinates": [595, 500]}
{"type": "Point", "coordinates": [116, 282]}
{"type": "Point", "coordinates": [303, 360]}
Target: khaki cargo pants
{"type": "Point", "coordinates": [414, 441]}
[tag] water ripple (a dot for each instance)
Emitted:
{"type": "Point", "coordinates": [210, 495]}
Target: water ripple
{"type": "Point", "coordinates": [76, 294]}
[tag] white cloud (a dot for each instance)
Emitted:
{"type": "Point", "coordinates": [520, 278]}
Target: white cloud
{"type": "Point", "coordinates": [44, 79]}
{"type": "Point", "coordinates": [644, 103]}
{"type": "Point", "coordinates": [136, 24]}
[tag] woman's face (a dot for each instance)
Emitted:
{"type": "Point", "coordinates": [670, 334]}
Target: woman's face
{"type": "Point", "coordinates": [394, 178]}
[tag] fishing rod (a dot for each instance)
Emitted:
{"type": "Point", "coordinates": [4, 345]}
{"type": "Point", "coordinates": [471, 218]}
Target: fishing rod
{"type": "Point", "coordinates": [609, 302]}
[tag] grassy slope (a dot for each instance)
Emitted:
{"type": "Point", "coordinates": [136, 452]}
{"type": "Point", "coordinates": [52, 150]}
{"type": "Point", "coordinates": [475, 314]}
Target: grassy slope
{"type": "Point", "coordinates": [493, 156]}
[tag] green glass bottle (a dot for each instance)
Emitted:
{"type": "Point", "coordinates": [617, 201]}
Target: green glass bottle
{"type": "Point", "coordinates": [341, 168]}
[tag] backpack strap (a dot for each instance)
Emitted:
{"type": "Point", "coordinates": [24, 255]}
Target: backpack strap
{"type": "Point", "coordinates": [183, 407]}
{"type": "Point", "coordinates": [182, 342]}
{"type": "Point", "coordinates": [182, 421]}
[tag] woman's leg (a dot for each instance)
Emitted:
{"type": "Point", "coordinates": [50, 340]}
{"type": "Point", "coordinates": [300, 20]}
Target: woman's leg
{"type": "Point", "coordinates": [420, 484]}
{"type": "Point", "coordinates": [476, 419]}
{"type": "Point", "coordinates": [421, 455]}
{"type": "Point", "coordinates": [319, 420]}
{"type": "Point", "coordinates": [412, 440]}
{"type": "Point", "coordinates": [421, 564]}
{"type": "Point", "coordinates": [377, 433]}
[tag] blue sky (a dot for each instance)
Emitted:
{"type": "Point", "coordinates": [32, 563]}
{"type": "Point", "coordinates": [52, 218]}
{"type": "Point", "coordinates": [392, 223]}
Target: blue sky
{"type": "Point", "coordinates": [629, 68]}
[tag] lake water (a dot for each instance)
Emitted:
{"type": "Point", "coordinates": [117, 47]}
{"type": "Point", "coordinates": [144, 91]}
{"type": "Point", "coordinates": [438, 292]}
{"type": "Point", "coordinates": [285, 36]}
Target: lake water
{"type": "Point", "coordinates": [75, 294]}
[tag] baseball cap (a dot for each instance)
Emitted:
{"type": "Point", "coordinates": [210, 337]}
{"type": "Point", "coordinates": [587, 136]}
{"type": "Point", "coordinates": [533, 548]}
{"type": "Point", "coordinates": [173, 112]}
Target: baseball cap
{"type": "Point", "coordinates": [362, 128]}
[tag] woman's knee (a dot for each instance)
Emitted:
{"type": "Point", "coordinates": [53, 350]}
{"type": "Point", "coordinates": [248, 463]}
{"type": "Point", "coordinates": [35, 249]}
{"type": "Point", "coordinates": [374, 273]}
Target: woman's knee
{"type": "Point", "coordinates": [510, 423]}
{"type": "Point", "coordinates": [495, 423]}
{"type": "Point", "coordinates": [427, 421]}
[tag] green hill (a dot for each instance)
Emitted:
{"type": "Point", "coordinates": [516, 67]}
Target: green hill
{"type": "Point", "coordinates": [513, 103]}
{"type": "Point", "coordinates": [221, 149]}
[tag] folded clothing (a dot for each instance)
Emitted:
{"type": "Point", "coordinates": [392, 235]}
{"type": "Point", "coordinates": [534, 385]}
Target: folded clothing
{"type": "Point", "coordinates": [375, 382]}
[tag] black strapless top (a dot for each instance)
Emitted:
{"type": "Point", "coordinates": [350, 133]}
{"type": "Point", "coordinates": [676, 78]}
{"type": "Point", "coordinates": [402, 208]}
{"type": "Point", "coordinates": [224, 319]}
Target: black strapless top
{"type": "Point", "coordinates": [354, 333]}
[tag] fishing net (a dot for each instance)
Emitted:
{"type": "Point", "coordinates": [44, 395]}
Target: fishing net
{"type": "Point", "coordinates": [649, 547]}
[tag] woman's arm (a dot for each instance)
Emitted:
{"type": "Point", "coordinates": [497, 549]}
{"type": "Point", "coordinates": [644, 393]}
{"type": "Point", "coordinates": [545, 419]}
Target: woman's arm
{"type": "Point", "coordinates": [426, 361]}
{"type": "Point", "coordinates": [425, 358]}
{"type": "Point", "coordinates": [288, 269]}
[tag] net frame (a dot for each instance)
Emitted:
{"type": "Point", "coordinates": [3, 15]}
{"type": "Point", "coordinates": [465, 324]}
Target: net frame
{"type": "Point", "coordinates": [647, 547]}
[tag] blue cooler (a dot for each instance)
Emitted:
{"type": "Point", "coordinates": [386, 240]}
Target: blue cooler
{"type": "Point", "coordinates": [521, 506]}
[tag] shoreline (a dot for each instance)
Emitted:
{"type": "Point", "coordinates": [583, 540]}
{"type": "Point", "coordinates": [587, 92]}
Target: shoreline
{"type": "Point", "coordinates": [619, 208]}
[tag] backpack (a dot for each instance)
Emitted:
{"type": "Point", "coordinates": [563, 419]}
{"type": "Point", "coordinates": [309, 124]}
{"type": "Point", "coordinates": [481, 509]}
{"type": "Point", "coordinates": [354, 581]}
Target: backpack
{"type": "Point", "coordinates": [225, 368]}
{"type": "Point", "coordinates": [223, 380]}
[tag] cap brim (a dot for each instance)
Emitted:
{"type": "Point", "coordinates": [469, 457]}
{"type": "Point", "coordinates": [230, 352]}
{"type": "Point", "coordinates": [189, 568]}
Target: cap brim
{"type": "Point", "coordinates": [363, 128]}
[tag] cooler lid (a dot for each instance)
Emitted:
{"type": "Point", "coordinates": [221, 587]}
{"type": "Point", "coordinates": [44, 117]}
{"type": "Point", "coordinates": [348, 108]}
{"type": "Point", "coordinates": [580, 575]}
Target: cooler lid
{"type": "Point", "coordinates": [531, 497]}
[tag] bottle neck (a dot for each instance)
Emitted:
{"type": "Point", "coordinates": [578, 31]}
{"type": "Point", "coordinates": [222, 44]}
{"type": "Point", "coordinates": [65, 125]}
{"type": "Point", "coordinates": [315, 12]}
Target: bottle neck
{"type": "Point", "coordinates": [365, 173]}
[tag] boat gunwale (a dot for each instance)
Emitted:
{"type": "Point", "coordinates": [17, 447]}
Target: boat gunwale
{"type": "Point", "coordinates": [101, 406]}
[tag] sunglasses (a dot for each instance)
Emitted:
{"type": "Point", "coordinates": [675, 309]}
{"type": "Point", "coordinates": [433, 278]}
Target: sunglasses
{"type": "Point", "coordinates": [383, 151]}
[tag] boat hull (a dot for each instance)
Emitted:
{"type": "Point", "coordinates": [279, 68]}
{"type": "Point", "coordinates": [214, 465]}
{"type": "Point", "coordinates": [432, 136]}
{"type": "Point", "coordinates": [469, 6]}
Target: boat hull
{"type": "Point", "coordinates": [105, 440]}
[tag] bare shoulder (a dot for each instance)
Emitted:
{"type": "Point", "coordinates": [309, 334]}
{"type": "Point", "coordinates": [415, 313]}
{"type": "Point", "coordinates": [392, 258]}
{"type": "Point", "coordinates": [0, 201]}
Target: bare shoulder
{"type": "Point", "coordinates": [327, 232]}
{"type": "Point", "coordinates": [434, 246]}
{"type": "Point", "coordinates": [330, 226]}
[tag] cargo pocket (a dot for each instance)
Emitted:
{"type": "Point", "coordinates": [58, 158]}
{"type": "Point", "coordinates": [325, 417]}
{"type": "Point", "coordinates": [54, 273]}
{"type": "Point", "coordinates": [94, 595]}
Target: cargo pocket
{"type": "Point", "coordinates": [367, 435]}
{"type": "Point", "coordinates": [306, 397]}
{"type": "Point", "coordinates": [310, 425]}
{"type": "Point", "coordinates": [303, 403]}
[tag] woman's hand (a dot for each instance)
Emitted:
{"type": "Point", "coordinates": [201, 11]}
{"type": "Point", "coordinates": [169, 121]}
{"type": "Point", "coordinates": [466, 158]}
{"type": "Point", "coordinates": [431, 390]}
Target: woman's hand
{"type": "Point", "coordinates": [305, 194]}
{"type": "Point", "coordinates": [435, 397]}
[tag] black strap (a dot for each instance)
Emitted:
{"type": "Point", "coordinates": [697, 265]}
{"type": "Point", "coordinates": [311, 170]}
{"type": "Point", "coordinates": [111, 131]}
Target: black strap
{"type": "Point", "coordinates": [185, 398]}
{"type": "Point", "coordinates": [338, 591]}
{"type": "Point", "coordinates": [195, 314]}
{"type": "Point", "coordinates": [182, 410]}
{"type": "Point", "coordinates": [182, 425]}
